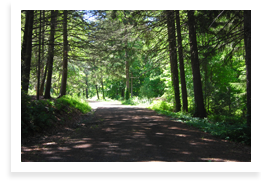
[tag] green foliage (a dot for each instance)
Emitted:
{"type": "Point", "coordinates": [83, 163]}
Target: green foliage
{"type": "Point", "coordinates": [229, 128]}
{"type": "Point", "coordinates": [100, 48]}
{"type": "Point", "coordinates": [36, 115]}
{"type": "Point", "coordinates": [238, 132]}
{"type": "Point", "coordinates": [40, 115]}
{"type": "Point", "coordinates": [127, 95]}
{"type": "Point", "coordinates": [161, 105]}
{"type": "Point", "coordinates": [74, 102]}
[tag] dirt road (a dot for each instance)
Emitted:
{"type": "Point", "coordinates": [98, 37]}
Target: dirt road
{"type": "Point", "coordinates": [116, 133]}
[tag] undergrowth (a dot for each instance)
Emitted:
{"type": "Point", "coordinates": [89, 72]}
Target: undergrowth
{"type": "Point", "coordinates": [225, 127]}
{"type": "Point", "coordinates": [41, 115]}
{"type": "Point", "coordinates": [137, 101]}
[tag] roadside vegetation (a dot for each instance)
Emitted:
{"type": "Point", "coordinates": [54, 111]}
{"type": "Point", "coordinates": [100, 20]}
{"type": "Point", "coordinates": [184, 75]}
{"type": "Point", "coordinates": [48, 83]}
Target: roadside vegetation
{"type": "Point", "coordinates": [232, 128]}
{"type": "Point", "coordinates": [39, 116]}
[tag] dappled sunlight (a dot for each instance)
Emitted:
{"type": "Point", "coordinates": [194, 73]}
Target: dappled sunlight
{"type": "Point", "coordinates": [217, 160]}
{"type": "Point", "coordinates": [63, 148]}
{"type": "Point", "coordinates": [132, 135]}
{"type": "Point", "coordinates": [50, 143]}
{"type": "Point", "coordinates": [82, 146]}
{"type": "Point", "coordinates": [181, 135]}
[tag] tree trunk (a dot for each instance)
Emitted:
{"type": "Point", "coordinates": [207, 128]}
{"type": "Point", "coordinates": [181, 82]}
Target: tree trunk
{"type": "Point", "coordinates": [127, 75]}
{"type": "Point", "coordinates": [87, 94]}
{"type": "Point", "coordinates": [198, 94]}
{"type": "Point", "coordinates": [43, 80]}
{"type": "Point", "coordinates": [45, 71]}
{"type": "Point", "coordinates": [131, 86]}
{"type": "Point", "coordinates": [47, 94]}
{"type": "Point", "coordinates": [181, 66]}
{"type": "Point", "coordinates": [97, 91]}
{"type": "Point", "coordinates": [103, 96]}
{"type": "Point", "coordinates": [173, 57]}
{"type": "Point", "coordinates": [27, 50]}
{"type": "Point", "coordinates": [247, 40]}
{"type": "Point", "coordinates": [39, 60]}
{"type": "Point", "coordinates": [65, 55]}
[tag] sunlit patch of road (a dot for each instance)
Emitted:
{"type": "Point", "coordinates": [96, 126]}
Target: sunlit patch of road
{"type": "Point", "coordinates": [96, 104]}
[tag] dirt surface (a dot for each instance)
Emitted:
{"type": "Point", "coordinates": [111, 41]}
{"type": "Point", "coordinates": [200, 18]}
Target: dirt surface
{"type": "Point", "coordinates": [116, 133]}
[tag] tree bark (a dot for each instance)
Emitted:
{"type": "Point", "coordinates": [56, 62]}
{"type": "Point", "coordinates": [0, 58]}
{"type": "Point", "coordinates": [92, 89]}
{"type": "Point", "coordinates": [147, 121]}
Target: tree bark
{"type": "Point", "coordinates": [87, 94]}
{"type": "Point", "coordinates": [198, 94]}
{"type": "Point", "coordinates": [65, 55]}
{"type": "Point", "coordinates": [45, 71]}
{"type": "Point", "coordinates": [43, 80]}
{"type": "Point", "coordinates": [181, 66]}
{"type": "Point", "coordinates": [39, 60]}
{"type": "Point", "coordinates": [173, 57]}
{"type": "Point", "coordinates": [47, 94]}
{"type": "Point", "coordinates": [247, 40]}
{"type": "Point", "coordinates": [26, 53]}
{"type": "Point", "coordinates": [103, 96]}
{"type": "Point", "coordinates": [97, 91]}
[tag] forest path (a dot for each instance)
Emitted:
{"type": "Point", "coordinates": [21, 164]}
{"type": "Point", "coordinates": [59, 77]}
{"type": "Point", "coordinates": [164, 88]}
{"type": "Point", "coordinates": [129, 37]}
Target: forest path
{"type": "Point", "coordinates": [117, 133]}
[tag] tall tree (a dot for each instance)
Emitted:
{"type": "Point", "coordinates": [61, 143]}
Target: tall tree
{"type": "Point", "coordinates": [39, 59]}
{"type": "Point", "coordinates": [47, 93]}
{"type": "Point", "coordinates": [173, 57]}
{"type": "Point", "coordinates": [65, 55]}
{"type": "Point", "coordinates": [45, 70]}
{"type": "Point", "coordinates": [247, 40]}
{"type": "Point", "coordinates": [181, 66]}
{"type": "Point", "coordinates": [198, 94]}
{"type": "Point", "coordinates": [27, 50]}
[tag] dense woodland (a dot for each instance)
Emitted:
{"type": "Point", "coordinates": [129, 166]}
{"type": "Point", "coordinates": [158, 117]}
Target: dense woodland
{"type": "Point", "coordinates": [197, 62]}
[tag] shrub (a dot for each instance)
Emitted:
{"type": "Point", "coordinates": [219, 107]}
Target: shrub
{"type": "Point", "coordinates": [161, 105]}
{"type": "Point", "coordinates": [36, 115]}
{"type": "Point", "coordinates": [40, 115]}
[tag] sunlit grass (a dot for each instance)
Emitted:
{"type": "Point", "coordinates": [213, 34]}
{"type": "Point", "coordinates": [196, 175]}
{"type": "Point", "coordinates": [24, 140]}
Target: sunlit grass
{"type": "Point", "coordinates": [76, 102]}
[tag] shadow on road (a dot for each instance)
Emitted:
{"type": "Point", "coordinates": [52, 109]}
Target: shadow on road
{"type": "Point", "coordinates": [132, 134]}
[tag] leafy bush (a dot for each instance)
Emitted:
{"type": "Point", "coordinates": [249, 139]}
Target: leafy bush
{"type": "Point", "coordinates": [161, 105]}
{"type": "Point", "coordinates": [36, 115]}
{"type": "Point", "coordinates": [40, 115]}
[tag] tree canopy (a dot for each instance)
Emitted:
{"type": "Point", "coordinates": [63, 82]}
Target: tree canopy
{"type": "Point", "coordinates": [199, 61]}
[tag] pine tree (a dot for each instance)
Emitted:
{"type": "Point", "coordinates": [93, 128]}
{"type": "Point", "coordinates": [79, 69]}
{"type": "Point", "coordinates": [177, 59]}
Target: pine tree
{"type": "Point", "coordinates": [27, 50]}
{"type": "Point", "coordinates": [65, 55]}
{"type": "Point", "coordinates": [173, 57]}
{"type": "Point", "coordinates": [181, 66]}
{"type": "Point", "coordinates": [47, 94]}
{"type": "Point", "coordinates": [247, 38]}
{"type": "Point", "coordinates": [198, 94]}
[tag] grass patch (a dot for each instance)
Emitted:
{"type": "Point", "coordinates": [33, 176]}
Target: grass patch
{"type": "Point", "coordinates": [38, 116]}
{"type": "Point", "coordinates": [74, 102]}
{"type": "Point", "coordinates": [226, 127]}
